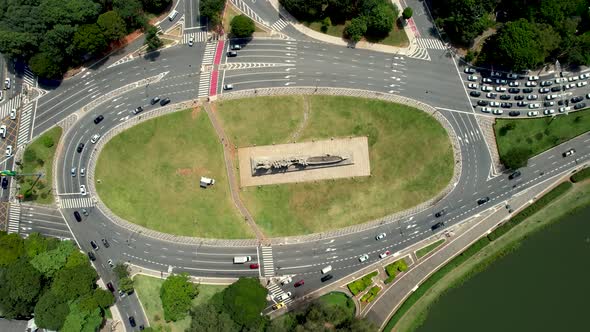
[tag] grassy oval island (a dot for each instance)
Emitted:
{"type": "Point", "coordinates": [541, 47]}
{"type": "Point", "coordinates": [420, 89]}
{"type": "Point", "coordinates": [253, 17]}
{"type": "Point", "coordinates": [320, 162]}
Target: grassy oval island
{"type": "Point", "coordinates": [149, 173]}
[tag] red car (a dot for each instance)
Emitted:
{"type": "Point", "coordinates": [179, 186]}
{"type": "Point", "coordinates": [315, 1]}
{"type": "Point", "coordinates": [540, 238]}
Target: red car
{"type": "Point", "coordinates": [254, 266]}
{"type": "Point", "coordinates": [299, 283]}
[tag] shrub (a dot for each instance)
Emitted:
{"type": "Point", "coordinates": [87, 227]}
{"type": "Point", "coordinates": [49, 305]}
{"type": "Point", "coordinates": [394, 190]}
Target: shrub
{"type": "Point", "coordinates": [356, 29]}
{"type": "Point", "coordinates": [371, 294]}
{"type": "Point", "coordinates": [407, 13]}
{"type": "Point", "coordinates": [326, 23]}
{"type": "Point", "coordinates": [581, 175]}
{"type": "Point", "coordinates": [361, 284]}
{"type": "Point", "coordinates": [242, 26]}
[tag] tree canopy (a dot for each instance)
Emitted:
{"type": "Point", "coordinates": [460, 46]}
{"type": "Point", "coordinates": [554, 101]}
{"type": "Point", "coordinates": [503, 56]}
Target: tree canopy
{"type": "Point", "coordinates": [211, 10]}
{"type": "Point", "coordinates": [516, 157]}
{"type": "Point", "coordinates": [242, 26]}
{"type": "Point", "coordinates": [177, 293]}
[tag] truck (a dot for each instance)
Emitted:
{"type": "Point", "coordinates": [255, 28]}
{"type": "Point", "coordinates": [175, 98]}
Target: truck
{"type": "Point", "coordinates": [242, 259]}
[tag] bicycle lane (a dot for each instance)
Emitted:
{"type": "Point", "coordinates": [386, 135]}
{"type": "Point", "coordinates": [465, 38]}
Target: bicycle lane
{"type": "Point", "coordinates": [215, 73]}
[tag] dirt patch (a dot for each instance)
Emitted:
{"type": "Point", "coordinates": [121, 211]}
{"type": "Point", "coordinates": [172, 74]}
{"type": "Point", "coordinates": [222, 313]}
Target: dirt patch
{"type": "Point", "coordinates": [191, 171]}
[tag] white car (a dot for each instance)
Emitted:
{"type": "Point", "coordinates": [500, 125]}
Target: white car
{"type": "Point", "coordinates": [95, 138]}
{"type": "Point", "coordinates": [73, 171]}
{"type": "Point", "coordinates": [3, 131]}
{"type": "Point", "coordinates": [486, 80]}
{"type": "Point", "coordinates": [570, 86]}
{"type": "Point", "coordinates": [497, 111]}
{"type": "Point", "coordinates": [486, 88]}
{"type": "Point", "coordinates": [363, 258]}
{"type": "Point", "coordinates": [191, 41]}
{"type": "Point", "coordinates": [548, 111]}
{"type": "Point", "coordinates": [513, 84]}
{"type": "Point", "coordinates": [385, 254]}
{"type": "Point", "coordinates": [9, 151]}
{"type": "Point", "coordinates": [486, 109]}
{"type": "Point", "coordinates": [82, 172]}
{"type": "Point", "coordinates": [532, 97]}
{"type": "Point", "coordinates": [533, 78]}
{"type": "Point", "coordinates": [545, 90]}
{"type": "Point", "coordinates": [1, 95]}
{"type": "Point", "coordinates": [531, 83]}
{"type": "Point", "coordinates": [472, 78]}
{"type": "Point", "coordinates": [500, 89]}
{"type": "Point", "coordinates": [83, 190]}
{"type": "Point", "coordinates": [228, 87]}
{"type": "Point", "coordinates": [513, 76]}
{"type": "Point", "coordinates": [472, 85]}
{"type": "Point", "coordinates": [534, 105]}
{"type": "Point", "coordinates": [581, 84]}
{"type": "Point", "coordinates": [497, 74]}
{"type": "Point", "coordinates": [572, 79]}
{"type": "Point", "coordinates": [560, 80]}
{"type": "Point", "coordinates": [501, 81]}
{"type": "Point", "coordinates": [381, 236]}
{"type": "Point", "coordinates": [283, 296]}
{"type": "Point", "coordinates": [533, 113]}
{"type": "Point", "coordinates": [584, 76]}
{"type": "Point", "coordinates": [286, 281]}
{"type": "Point", "coordinates": [549, 97]}
{"type": "Point", "coordinates": [13, 113]}
{"type": "Point", "coordinates": [469, 70]}
{"type": "Point", "coordinates": [494, 104]}
{"type": "Point", "coordinates": [110, 262]}
{"type": "Point", "coordinates": [7, 83]}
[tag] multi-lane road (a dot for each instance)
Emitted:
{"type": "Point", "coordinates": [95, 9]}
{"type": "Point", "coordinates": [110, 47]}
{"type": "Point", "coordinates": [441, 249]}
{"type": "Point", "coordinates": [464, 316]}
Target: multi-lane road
{"type": "Point", "coordinates": [289, 60]}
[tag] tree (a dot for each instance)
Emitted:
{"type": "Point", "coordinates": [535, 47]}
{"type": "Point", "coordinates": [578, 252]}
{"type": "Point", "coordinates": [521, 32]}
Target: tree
{"type": "Point", "coordinates": [380, 20]}
{"type": "Point", "coordinates": [131, 12]}
{"type": "Point", "coordinates": [126, 285]}
{"type": "Point", "coordinates": [89, 39]}
{"type": "Point", "coordinates": [112, 25]}
{"type": "Point", "coordinates": [45, 65]}
{"type": "Point", "coordinates": [242, 26]}
{"type": "Point", "coordinates": [98, 299]}
{"type": "Point", "coordinates": [341, 10]}
{"type": "Point", "coordinates": [356, 29]}
{"type": "Point", "coordinates": [11, 248]}
{"type": "Point", "coordinates": [20, 285]}
{"type": "Point", "coordinates": [407, 13]}
{"type": "Point", "coordinates": [79, 319]}
{"type": "Point", "coordinates": [73, 282]}
{"type": "Point", "coordinates": [516, 157]}
{"type": "Point", "coordinates": [307, 10]}
{"type": "Point", "coordinates": [49, 262]}
{"type": "Point", "coordinates": [155, 6]}
{"type": "Point", "coordinates": [244, 300]}
{"type": "Point", "coordinates": [177, 293]}
{"type": "Point", "coordinates": [36, 243]}
{"type": "Point", "coordinates": [76, 258]}
{"type": "Point", "coordinates": [152, 40]}
{"type": "Point", "coordinates": [209, 318]}
{"type": "Point", "coordinates": [121, 271]}
{"type": "Point", "coordinates": [51, 311]}
{"type": "Point", "coordinates": [211, 9]}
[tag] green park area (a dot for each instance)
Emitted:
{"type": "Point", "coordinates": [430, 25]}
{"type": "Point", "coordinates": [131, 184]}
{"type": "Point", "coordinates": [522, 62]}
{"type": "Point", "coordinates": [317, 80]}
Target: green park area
{"type": "Point", "coordinates": [38, 159]}
{"type": "Point", "coordinates": [524, 138]}
{"type": "Point", "coordinates": [411, 159]}
{"type": "Point", "coordinates": [149, 175]}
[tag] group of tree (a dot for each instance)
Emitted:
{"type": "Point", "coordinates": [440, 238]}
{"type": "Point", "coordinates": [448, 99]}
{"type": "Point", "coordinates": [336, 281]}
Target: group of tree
{"type": "Point", "coordinates": [124, 281]}
{"type": "Point", "coordinates": [54, 35]}
{"type": "Point", "coordinates": [370, 18]}
{"type": "Point", "coordinates": [212, 10]}
{"type": "Point", "coordinates": [529, 33]}
{"type": "Point", "coordinates": [52, 281]}
{"type": "Point", "coordinates": [177, 293]}
{"type": "Point", "coordinates": [242, 26]}
{"type": "Point", "coordinates": [239, 306]}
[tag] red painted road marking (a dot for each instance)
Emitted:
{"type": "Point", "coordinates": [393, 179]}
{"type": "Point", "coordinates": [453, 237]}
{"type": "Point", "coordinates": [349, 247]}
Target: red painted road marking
{"type": "Point", "coordinates": [218, 52]}
{"type": "Point", "coordinates": [213, 86]}
{"type": "Point", "coordinates": [414, 27]}
{"type": "Point", "coordinates": [215, 73]}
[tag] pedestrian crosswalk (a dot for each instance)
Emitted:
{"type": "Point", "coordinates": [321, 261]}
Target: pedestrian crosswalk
{"type": "Point", "coordinates": [268, 262]}
{"type": "Point", "coordinates": [420, 53]}
{"type": "Point", "coordinates": [431, 43]}
{"type": "Point", "coordinates": [274, 290]}
{"type": "Point", "coordinates": [29, 78]}
{"type": "Point", "coordinates": [242, 6]}
{"type": "Point", "coordinates": [13, 218]}
{"type": "Point", "coordinates": [279, 25]}
{"type": "Point", "coordinates": [73, 203]}
{"type": "Point", "coordinates": [198, 37]}
{"type": "Point", "coordinates": [204, 81]}
{"type": "Point", "coordinates": [24, 126]}
{"type": "Point", "coordinates": [209, 53]}
{"type": "Point", "coordinates": [13, 103]}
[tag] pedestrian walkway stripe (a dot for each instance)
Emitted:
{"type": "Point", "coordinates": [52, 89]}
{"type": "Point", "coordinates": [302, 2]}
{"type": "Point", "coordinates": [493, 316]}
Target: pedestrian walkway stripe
{"type": "Point", "coordinates": [431, 43]}
{"type": "Point", "coordinates": [24, 126]}
{"type": "Point", "coordinates": [420, 53]}
{"type": "Point", "coordinates": [198, 37]}
{"type": "Point", "coordinates": [14, 102]}
{"type": "Point", "coordinates": [279, 25]}
{"type": "Point", "coordinates": [268, 262]}
{"type": "Point", "coordinates": [242, 6]}
{"type": "Point", "coordinates": [204, 84]}
{"type": "Point", "coordinates": [73, 203]}
{"type": "Point", "coordinates": [209, 53]}
{"type": "Point", "coordinates": [275, 290]}
{"type": "Point", "coordinates": [13, 218]}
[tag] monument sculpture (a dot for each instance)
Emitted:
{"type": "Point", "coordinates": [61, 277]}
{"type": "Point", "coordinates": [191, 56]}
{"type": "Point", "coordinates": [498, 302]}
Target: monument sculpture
{"type": "Point", "coordinates": [269, 165]}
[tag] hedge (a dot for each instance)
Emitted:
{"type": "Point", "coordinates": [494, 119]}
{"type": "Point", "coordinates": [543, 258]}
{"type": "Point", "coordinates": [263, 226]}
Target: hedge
{"type": "Point", "coordinates": [581, 175]}
{"type": "Point", "coordinates": [371, 294]}
{"type": "Point", "coordinates": [472, 250]}
{"type": "Point", "coordinates": [361, 284]}
{"type": "Point", "coordinates": [424, 251]}
{"type": "Point", "coordinates": [393, 268]}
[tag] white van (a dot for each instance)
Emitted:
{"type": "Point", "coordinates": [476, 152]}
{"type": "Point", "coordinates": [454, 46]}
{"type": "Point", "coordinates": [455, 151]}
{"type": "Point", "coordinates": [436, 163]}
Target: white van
{"type": "Point", "coordinates": [327, 269]}
{"type": "Point", "coordinates": [172, 15]}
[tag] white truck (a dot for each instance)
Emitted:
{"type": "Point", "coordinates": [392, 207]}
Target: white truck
{"type": "Point", "coordinates": [242, 259]}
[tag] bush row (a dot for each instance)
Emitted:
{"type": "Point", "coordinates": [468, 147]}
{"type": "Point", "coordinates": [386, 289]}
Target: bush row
{"type": "Point", "coordinates": [361, 284]}
{"type": "Point", "coordinates": [581, 175]}
{"type": "Point", "coordinates": [393, 268]}
{"type": "Point", "coordinates": [371, 294]}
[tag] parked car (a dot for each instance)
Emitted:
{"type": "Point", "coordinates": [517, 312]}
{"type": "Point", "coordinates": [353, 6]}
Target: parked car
{"type": "Point", "coordinates": [527, 90]}
{"type": "Point", "coordinates": [469, 70]}
{"type": "Point", "coordinates": [475, 93]}
{"type": "Point", "coordinates": [514, 90]}
{"type": "Point", "coordinates": [472, 78]}
{"type": "Point", "coordinates": [505, 97]}
{"type": "Point", "coordinates": [94, 245]}
{"type": "Point", "coordinates": [232, 54]}
{"type": "Point", "coordinates": [91, 256]}
{"type": "Point", "coordinates": [110, 286]}
{"type": "Point", "coordinates": [77, 216]}
{"type": "Point", "coordinates": [514, 113]}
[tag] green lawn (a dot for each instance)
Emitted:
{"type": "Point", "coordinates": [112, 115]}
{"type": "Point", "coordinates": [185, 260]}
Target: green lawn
{"type": "Point", "coordinates": [410, 155]}
{"type": "Point", "coordinates": [150, 175]}
{"type": "Point", "coordinates": [423, 251]}
{"type": "Point", "coordinates": [339, 299]}
{"type": "Point", "coordinates": [540, 134]}
{"type": "Point", "coordinates": [38, 158]}
{"type": "Point", "coordinates": [148, 290]}
{"type": "Point", "coordinates": [397, 36]}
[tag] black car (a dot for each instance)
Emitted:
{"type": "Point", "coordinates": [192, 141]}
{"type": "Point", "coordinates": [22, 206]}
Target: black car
{"type": "Point", "coordinates": [155, 100]}
{"type": "Point", "coordinates": [110, 286]}
{"type": "Point", "coordinates": [504, 97]}
{"type": "Point", "coordinates": [98, 119]}
{"type": "Point", "coordinates": [164, 101]}
{"type": "Point", "coordinates": [437, 226]}
{"type": "Point", "coordinates": [94, 245]}
{"type": "Point", "coordinates": [105, 243]}
{"type": "Point", "coordinates": [514, 113]}
{"type": "Point", "coordinates": [4, 183]}
{"type": "Point", "coordinates": [514, 90]}
{"type": "Point", "coordinates": [506, 105]}
{"type": "Point", "coordinates": [475, 93]}
{"type": "Point", "coordinates": [577, 99]}
{"type": "Point", "coordinates": [327, 277]}
{"type": "Point", "coordinates": [91, 256]}
{"type": "Point", "coordinates": [527, 90]}
{"type": "Point", "coordinates": [514, 175]}
{"type": "Point", "coordinates": [138, 110]}
{"type": "Point", "coordinates": [483, 200]}
{"type": "Point", "coordinates": [519, 97]}
{"type": "Point", "coordinates": [80, 147]}
{"type": "Point", "coordinates": [482, 103]}
{"type": "Point", "coordinates": [77, 216]}
{"type": "Point", "coordinates": [579, 106]}
{"type": "Point", "coordinates": [232, 53]}
{"type": "Point", "coordinates": [440, 213]}
{"type": "Point", "coordinates": [560, 102]}
{"type": "Point", "coordinates": [131, 321]}
{"type": "Point", "coordinates": [555, 89]}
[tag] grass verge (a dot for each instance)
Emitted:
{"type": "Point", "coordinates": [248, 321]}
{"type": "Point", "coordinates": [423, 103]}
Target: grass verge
{"type": "Point", "coordinates": [540, 134]}
{"type": "Point", "coordinates": [410, 156]}
{"type": "Point", "coordinates": [38, 158]}
{"type": "Point", "coordinates": [361, 284]}
{"type": "Point", "coordinates": [423, 251]}
{"type": "Point", "coordinates": [149, 175]}
{"type": "Point", "coordinates": [559, 202]}
{"type": "Point", "coordinates": [340, 300]}
{"type": "Point", "coordinates": [148, 291]}
{"type": "Point", "coordinates": [581, 175]}
{"type": "Point", "coordinates": [396, 37]}
{"type": "Point", "coordinates": [394, 268]}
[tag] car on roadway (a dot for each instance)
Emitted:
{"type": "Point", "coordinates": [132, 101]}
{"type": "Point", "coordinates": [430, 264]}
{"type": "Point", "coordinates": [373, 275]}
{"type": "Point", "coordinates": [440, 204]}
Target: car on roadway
{"type": "Point", "coordinates": [475, 93]}
{"type": "Point", "coordinates": [380, 236]}
{"type": "Point", "coordinates": [94, 245]}
{"type": "Point", "coordinates": [363, 258]}
{"type": "Point", "coordinates": [164, 101]}
{"type": "Point", "coordinates": [12, 114]}
{"type": "Point", "coordinates": [326, 277]}
{"type": "Point", "coordinates": [299, 283]}
{"type": "Point", "coordinates": [4, 183]}
{"type": "Point", "coordinates": [440, 213]}
{"type": "Point", "coordinates": [548, 111]}
{"type": "Point", "coordinates": [236, 47]}
{"type": "Point", "coordinates": [278, 306]}
{"type": "Point", "coordinates": [191, 41]}
{"type": "Point", "coordinates": [568, 153]}
{"type": "Point", "coordinates": [9, 151]}
{"type": "Point", "coordinates": [82, 190]}
{"type": "Point", "coordinates": [85, 212]}
{"type": "Point", "coordinates": [513, 84]}
{"type": "Point", "coordinates": [95, 138]}
{"type": "Point", "coordinates": [82, 172]}
{"type": "Point", "coordinates": [77, 216]}
{"type": "Point", "coordinates": [530, 83]}
{"type": "Point", "coordinates": [80, 147]}
{"type": "Point", "coordinates": [283, 296]}
{"type": "Point", "coordinates": [254, 266]}
{"type": "Point", "coordinates": [514, 175]}
{"type": "Point", "coordinates": [472, 78]}
{"type": "Point", "coordinates": [232, 54]}
{"type": "Point", "coordinates": [514, 90]}
{"type": "Point", "coordinates": [132, 321]}
{"type": "Point", "coordinates": [98, 119]}
{"type": "Point", "coordinates": [469, 70]}
{"type": "Point", "coordinates": [105, 243]}
{"type": "Point", "coordinates": [482, 103]}
{"type": "Point", "coordinates": [286, 281]}
{"type": "Point", "coordinates": [519, 97]}
{"type": "Point", "coordinates": [138, 110]}
{"type": "Point", "coordinates": [579, 106]}
{"type": "Point", "coordinates": [483, 200]}
{"type": "Point", "coordinates": [91, 256]}
{"type": "Point", "coordinates": [534, 106]}
{"type": "Point", "coordinates": [228, 87]}
{"type": "Point", "coordinates": [437, 226]}
{"type": "Point", "coordinates": [111, 264]}
{"type": "Point", "coordinates": [532, 97]}
{"type": "Point", "coordinates": [514, 113]}
{"type": "Point", "coordinates": [487, 80]}
{"type": "Point", "coordinates": [532, 113]}
{"type": "Point", "coordinates": [110, 286]}
{"type": "Point", "coordinates": [155, 100]}
{"type": "Point", "coordinates": [505, 97]}
{"type": "Point", "coordinates": [3, 131]}
{"type": "Point", "coordinates": [384, 254]}
{"type": "Point", "coordinates": [472, 85]}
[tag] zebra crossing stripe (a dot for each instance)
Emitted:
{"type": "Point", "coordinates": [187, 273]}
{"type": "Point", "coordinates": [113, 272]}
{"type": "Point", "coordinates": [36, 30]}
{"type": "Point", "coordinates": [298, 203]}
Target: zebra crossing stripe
{"type": "Point", "coordinates": [204, 84]}
{"type": "Point", "coordinates": [268, 262]}
{"type": "Point", "coordinates": [24, 125]}
{"type": "Point", "coordinates": [15, 103]}
{"type": "Point", "coordinates": [73, 203]}
{"type": "Point", "coordinates": [421, 54]}
{"type": "Point", "coordinates": [209, 53]}
{"type": "Point", "coordinates": [279, 25]}
{"type": "Point", "coordinates": [13, 218]}
{"type": "Point", "coordinates": [29, 77]}
{"type": "Point", "coordinates": [431, 43]}
{"type": "Point", "coordinates": [198, 37]}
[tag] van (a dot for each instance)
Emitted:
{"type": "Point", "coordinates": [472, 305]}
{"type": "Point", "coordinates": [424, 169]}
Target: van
{"type": "Point", "coordinates": [172, 15]}
{"type": "Point", "coordinates": [327, 269]}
